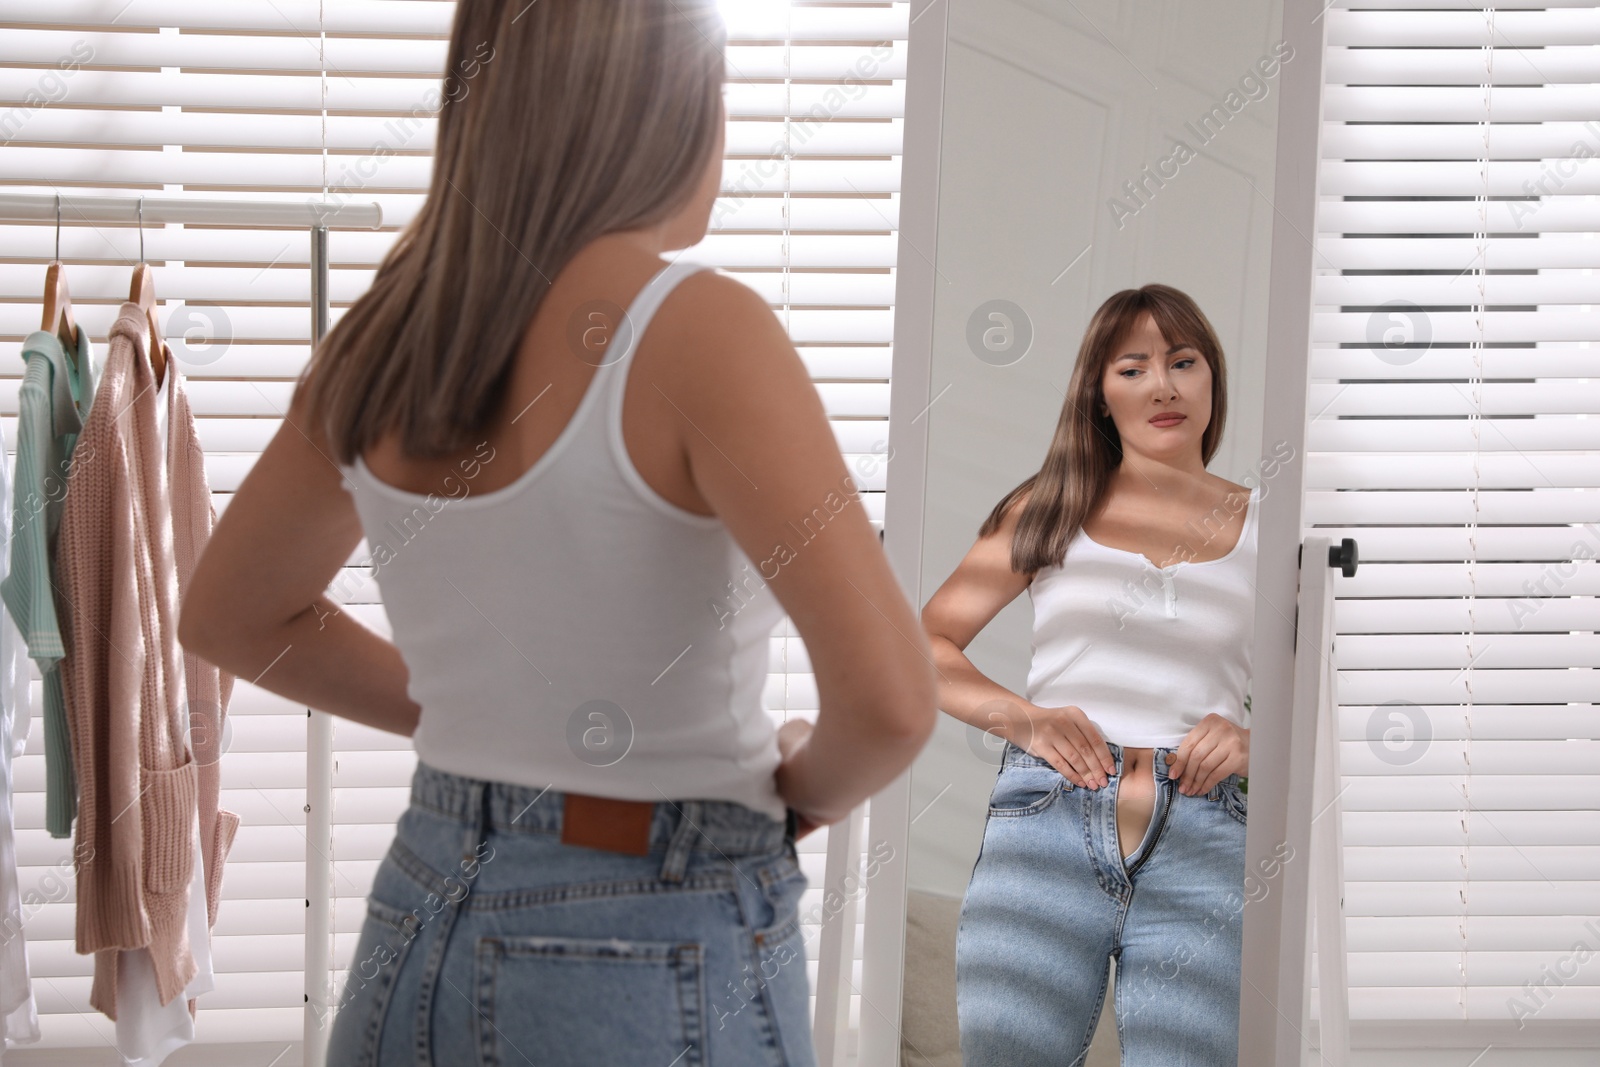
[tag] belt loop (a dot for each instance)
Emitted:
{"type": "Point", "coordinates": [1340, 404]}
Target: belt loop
{"type": "Point", "coordinates": [478, 800]}
{"type": "Point", "coordinates": [484, 798]}
{"type": "Point", "coordinates": [682, 842]}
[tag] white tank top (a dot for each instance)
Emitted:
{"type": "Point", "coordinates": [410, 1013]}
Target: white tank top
{"type": "Point", "coordinates": [1145, 651]}
{"type": "Point", "coordinates": [575, 629]}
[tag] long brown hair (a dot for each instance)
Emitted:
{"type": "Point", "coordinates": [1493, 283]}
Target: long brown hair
{"type": "Point", "coordinates": [1086, 449]}
{"type": "Point", "coordinates": [580, 120]}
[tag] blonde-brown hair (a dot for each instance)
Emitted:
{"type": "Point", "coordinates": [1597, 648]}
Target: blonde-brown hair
{"type": "Point", "coordinates": [586, 118]}
{"type": "Point", "coordinates": [1086, 448]}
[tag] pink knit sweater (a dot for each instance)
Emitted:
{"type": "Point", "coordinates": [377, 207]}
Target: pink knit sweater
{"type": "Point", "coordinates": [131, 530]}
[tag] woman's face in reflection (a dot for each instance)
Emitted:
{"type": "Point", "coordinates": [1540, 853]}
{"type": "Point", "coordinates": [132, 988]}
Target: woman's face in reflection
{"type": "Point", "coordinates": [1149, 375]}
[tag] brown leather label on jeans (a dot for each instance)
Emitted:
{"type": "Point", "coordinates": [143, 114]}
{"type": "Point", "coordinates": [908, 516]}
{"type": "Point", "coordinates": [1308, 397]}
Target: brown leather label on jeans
{"type": "Point", "coordinates": [607, 823]}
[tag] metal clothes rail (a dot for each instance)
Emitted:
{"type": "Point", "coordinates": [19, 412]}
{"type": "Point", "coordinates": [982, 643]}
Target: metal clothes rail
{"type": "Point", "coordinates": [317, 216]}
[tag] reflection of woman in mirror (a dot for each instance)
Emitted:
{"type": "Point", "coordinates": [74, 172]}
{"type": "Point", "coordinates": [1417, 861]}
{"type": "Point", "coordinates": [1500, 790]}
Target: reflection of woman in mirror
{"type": "Point", "coordinates": [1116, 824]}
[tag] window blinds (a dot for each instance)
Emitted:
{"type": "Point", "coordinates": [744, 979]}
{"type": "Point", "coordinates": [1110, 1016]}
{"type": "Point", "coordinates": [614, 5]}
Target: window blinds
{"type": "Point", "coordinates": [1453, 434]}
{"type": "Point", "coordinates": [265, 98]}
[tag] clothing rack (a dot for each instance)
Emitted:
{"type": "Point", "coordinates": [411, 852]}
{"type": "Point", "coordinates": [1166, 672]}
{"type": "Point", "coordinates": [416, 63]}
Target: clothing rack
{"type": "Point", "coordinates": [317, 216]}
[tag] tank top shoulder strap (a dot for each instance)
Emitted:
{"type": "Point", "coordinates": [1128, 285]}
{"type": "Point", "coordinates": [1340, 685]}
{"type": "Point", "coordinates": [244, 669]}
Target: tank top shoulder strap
{"type": "Point", "coordinates": [636, 319]}
{"type": "Point", "coordinates": [634, 322]}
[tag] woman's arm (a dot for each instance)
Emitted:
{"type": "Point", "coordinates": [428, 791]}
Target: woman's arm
{"type": "Point", "coordinates": [968, 600]}
{"type": "Point", "coordinates": [257, 607]}
{"type": "Point", "coordinates": [761, 453]}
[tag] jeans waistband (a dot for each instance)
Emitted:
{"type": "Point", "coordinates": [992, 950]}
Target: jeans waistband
{"type": "Point", "coordinates": [1015, 756]}
{"type": "Point", "coordinates": [723, 826]}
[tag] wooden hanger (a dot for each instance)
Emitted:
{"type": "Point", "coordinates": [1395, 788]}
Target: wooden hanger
{"type": "Point", "coordinates": [143, 293]}
{"type": "Point", "coordinates": [58, 301]}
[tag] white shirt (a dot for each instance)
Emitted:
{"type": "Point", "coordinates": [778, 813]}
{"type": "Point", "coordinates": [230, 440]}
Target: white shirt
{"type": "Point", "coordinates": [19, 1017]}
{"type": "Point", "coordinates": [1146, 652]}
{"type": "Point", "coordinates": [576, 630]}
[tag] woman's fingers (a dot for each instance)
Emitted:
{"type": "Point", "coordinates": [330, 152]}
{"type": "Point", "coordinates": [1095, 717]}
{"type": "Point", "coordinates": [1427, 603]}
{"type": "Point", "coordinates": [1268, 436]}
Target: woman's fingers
{"type": "Point", "coordinates": [1210, 771]}
{"type": "Point", "coordinates": [1199, 751]}
{"type": "Point", "coordinates": [1076, 752]}
{"type": "Point", "coordinates": [1085, 765]}
{"type": "Point", "coordinates": [1182, 757]}
{"type": "Point", "coordinates": [1072, 744]}
{"type": "Point", "coordinates": [791, 734]}
{"type": "Point", "coordinates": [1070, 764]}
{"type": "Point", "coordinates": [1094, 766]}
{"type": "Point", "coordinates": [1089, 735]}
{"type": "Point", "coordinates": [1091, 748]}
{"type": "Point", "coordinates": [1068, 759]}
{"type": "Point", "coordinates": [1102, 754]}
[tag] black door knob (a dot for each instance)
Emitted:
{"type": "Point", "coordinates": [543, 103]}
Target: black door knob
{"type": "Point", "coordinates": [1343, 556]}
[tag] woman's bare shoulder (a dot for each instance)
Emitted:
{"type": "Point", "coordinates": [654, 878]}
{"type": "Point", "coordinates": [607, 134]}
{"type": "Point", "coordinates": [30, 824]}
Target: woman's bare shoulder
{"type": "Point", "coordinates": [710, 318]}
{"type": "Point", "coordinates": [1231, 490]}
{"type": "Point", "coordinates": [707, 297]}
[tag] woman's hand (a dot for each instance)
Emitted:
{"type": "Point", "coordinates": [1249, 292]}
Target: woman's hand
{"type": "Point", "coordinates": [1210, 752]}
{"type": "Point", "coordinates": [1063, 738]}
{"type": "Point", "coordinates": [791, 735]}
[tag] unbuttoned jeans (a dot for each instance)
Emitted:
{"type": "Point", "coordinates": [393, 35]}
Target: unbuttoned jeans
{"type": "Point", "coordinates": [488, 941]}
{"type": "Point", "coordinates": [1051, 900]}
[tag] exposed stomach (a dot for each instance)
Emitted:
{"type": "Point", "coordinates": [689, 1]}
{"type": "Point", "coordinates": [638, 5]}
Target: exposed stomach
{"type": "Point", "coordinates": [1136, 797]}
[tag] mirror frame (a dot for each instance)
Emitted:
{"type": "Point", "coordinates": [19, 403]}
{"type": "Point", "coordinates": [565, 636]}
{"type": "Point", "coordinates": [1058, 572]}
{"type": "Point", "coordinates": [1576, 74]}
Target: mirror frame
{"type": "Point", "coordinates": [1276, 943]}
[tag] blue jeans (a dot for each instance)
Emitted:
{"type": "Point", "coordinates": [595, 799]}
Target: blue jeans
{"type": "Point", "coordinates": [1052, 899]}
{"type": "Point", "coordinates": [489, 941]}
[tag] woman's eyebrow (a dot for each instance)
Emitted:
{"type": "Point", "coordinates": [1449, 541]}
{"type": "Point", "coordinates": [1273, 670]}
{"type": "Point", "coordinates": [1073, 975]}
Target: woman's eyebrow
{"type": "Point", "coordinates": [1144, 356]}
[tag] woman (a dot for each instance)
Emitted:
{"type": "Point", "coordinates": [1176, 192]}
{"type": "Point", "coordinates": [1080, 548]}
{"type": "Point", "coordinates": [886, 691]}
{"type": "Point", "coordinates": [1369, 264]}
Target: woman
{"type": "Point", "coordinates": [1116, 824]}
{"type": "Point", "coordinates": [565, 504]}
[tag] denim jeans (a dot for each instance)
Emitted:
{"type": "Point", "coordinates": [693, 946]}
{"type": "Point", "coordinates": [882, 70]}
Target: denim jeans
{"type": "Point", "coordinates": [1052, 900]}
{"type": "Point", "coordinates": [488, 941]}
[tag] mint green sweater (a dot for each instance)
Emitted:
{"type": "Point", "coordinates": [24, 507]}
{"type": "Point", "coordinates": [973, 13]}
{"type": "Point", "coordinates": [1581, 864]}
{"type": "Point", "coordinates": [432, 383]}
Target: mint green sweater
{"type": "Point", "coordinates": [52, 403]}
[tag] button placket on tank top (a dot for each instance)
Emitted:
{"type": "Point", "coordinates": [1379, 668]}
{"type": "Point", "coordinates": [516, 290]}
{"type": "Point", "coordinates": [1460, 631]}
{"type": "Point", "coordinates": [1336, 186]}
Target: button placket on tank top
{"type": "Point", "coordinates": [1167, 576]}
{"type": "Point", "coordinates": [1169, 587]}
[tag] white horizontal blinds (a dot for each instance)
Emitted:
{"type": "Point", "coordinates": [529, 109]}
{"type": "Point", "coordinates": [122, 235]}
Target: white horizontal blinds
{"type": "Point", "coordinates": [1453, 434]}
{"type": "Point", "coordinates": [168, 97]}
{"type": "Point", "coordinates": [819, 167]}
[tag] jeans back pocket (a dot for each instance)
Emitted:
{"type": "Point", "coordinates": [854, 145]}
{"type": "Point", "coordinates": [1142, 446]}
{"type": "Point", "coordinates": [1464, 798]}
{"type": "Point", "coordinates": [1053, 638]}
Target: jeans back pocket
{"type": "Point", "coordinates": [580, 1001]}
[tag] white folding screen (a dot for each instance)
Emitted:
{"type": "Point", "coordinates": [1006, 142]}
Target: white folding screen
{"type": "Point", "coordinates": [262, 99]}
{"type": "Point", "coordinates": [1453, 432]}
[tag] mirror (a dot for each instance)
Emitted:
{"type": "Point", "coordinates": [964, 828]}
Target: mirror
{"type": "Point", "coordinates": [1084, 149]}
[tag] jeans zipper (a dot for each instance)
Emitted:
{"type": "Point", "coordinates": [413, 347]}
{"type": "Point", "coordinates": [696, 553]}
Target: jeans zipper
{"type": "Point", "coordinates": [1161, 823]}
